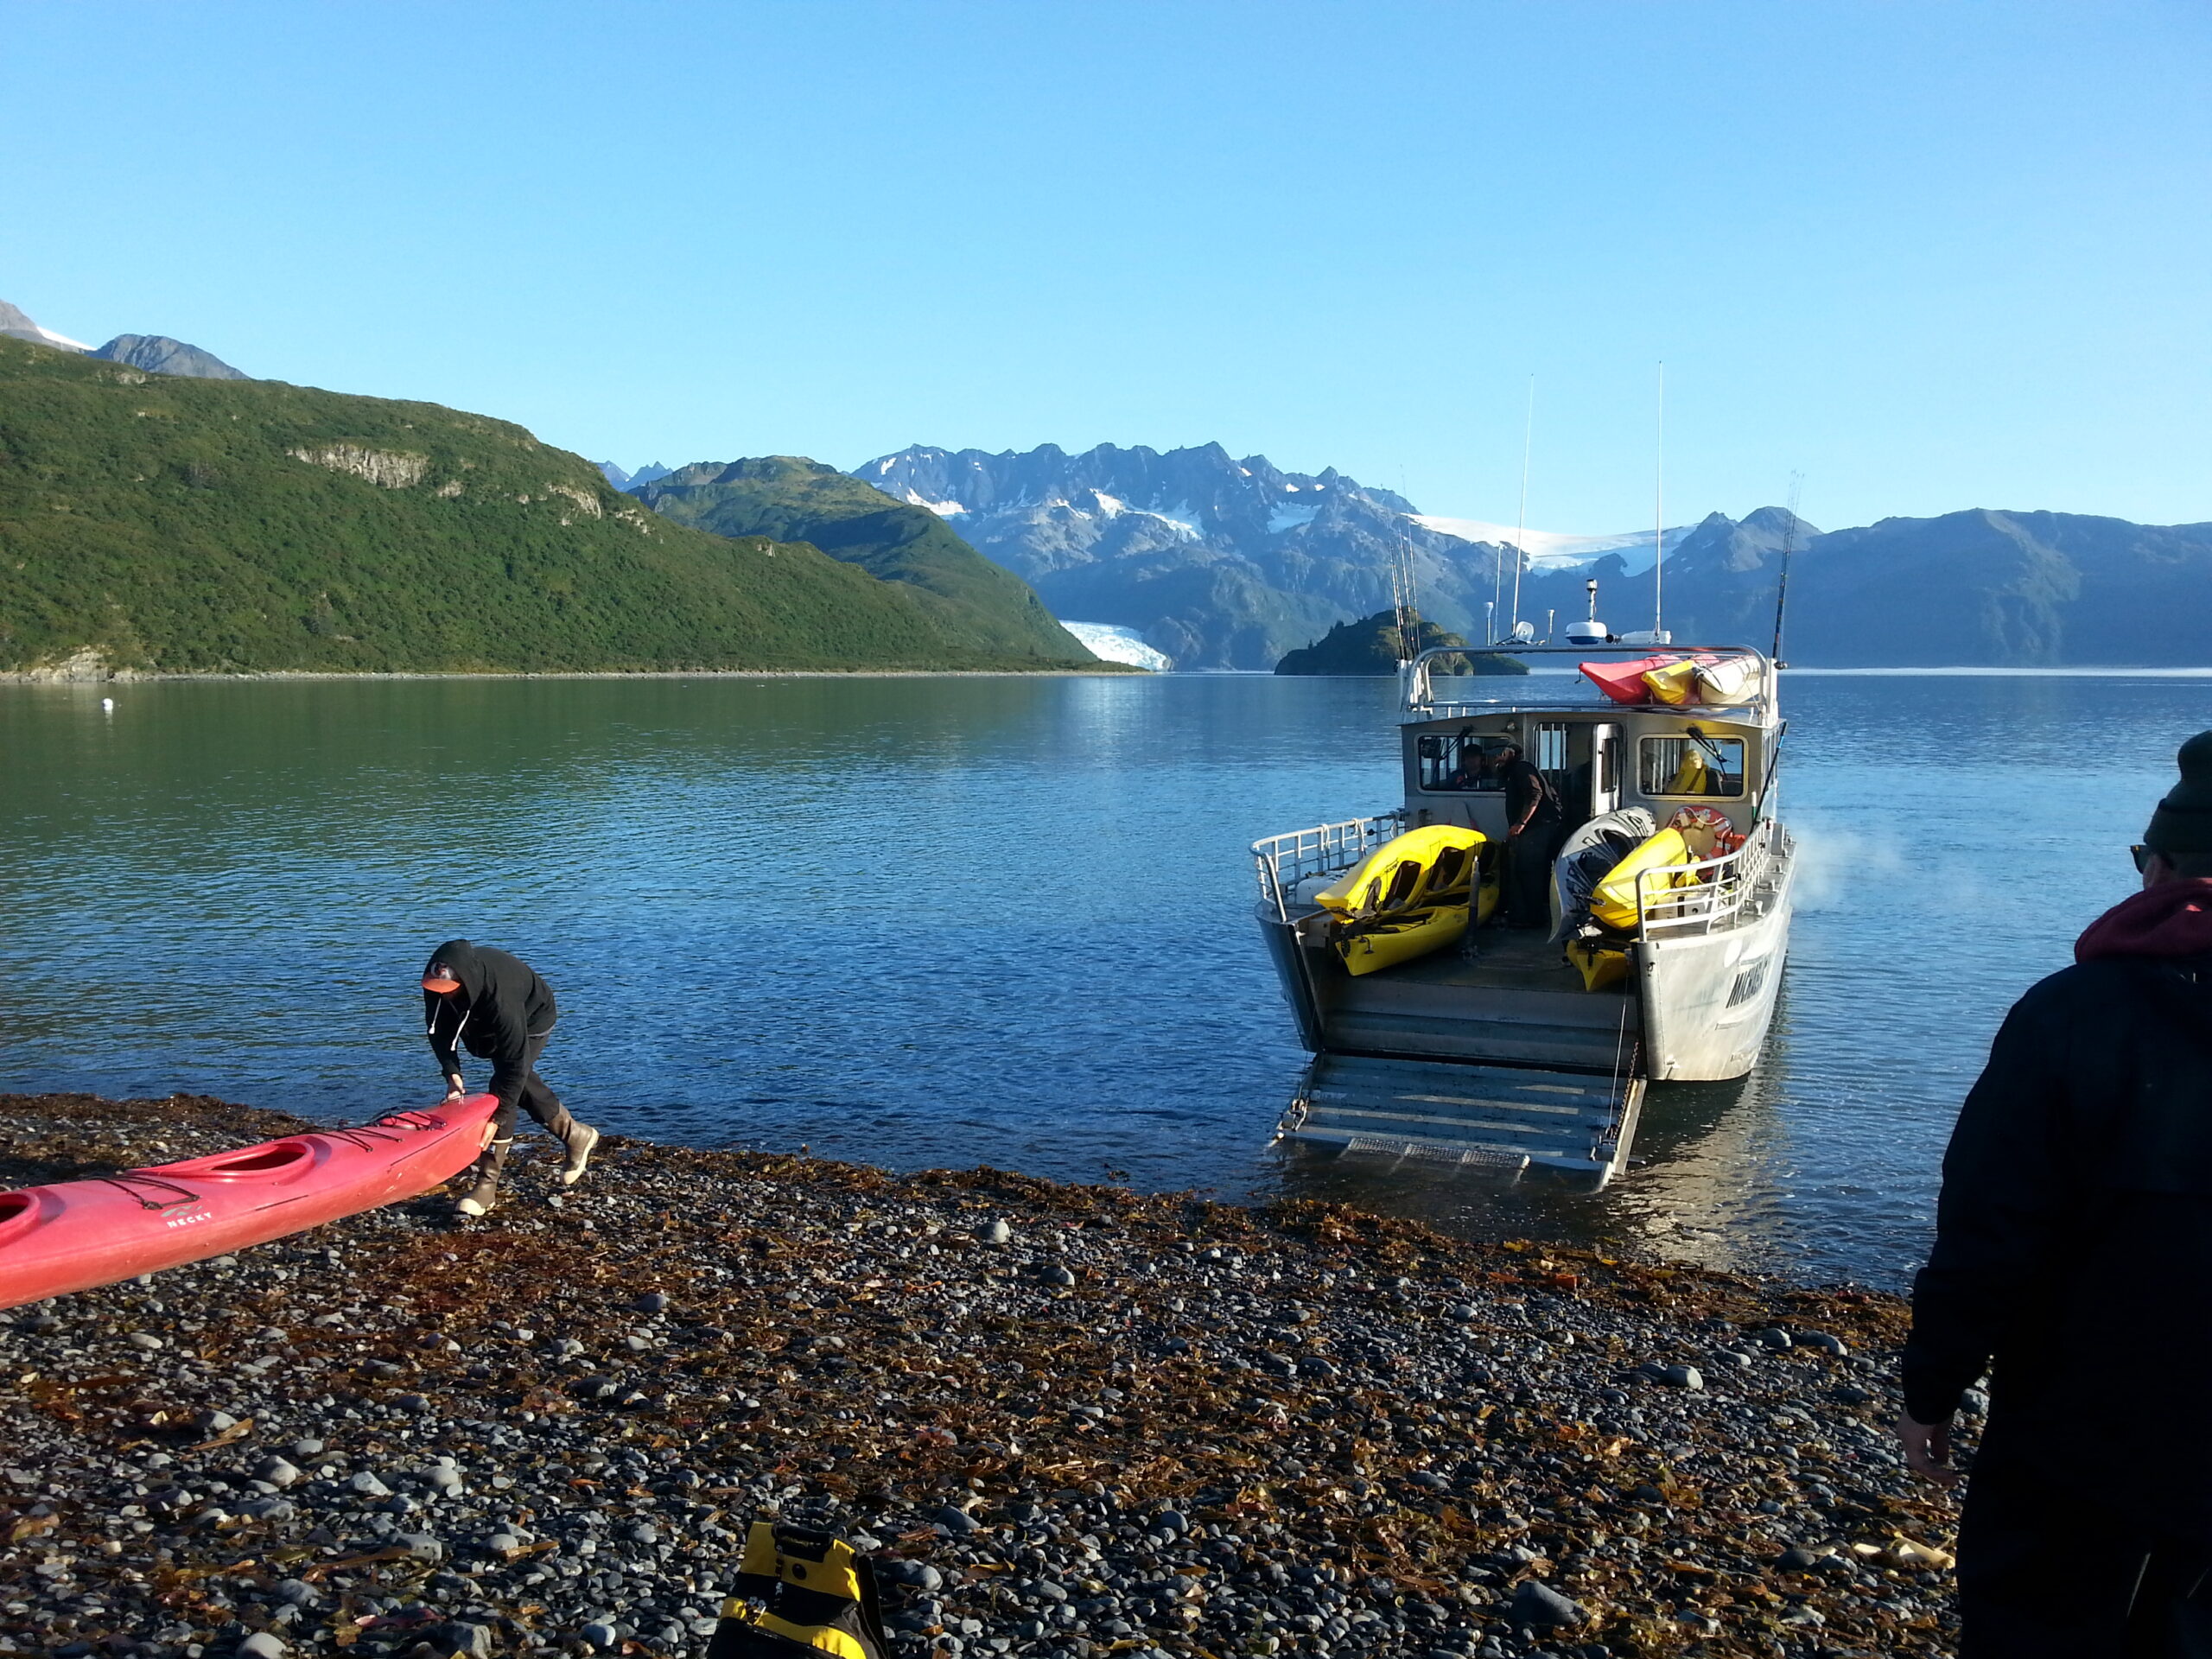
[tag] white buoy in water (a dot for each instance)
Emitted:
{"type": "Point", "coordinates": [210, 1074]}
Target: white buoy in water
{"type": "Point", "coordinates": [107, 705]}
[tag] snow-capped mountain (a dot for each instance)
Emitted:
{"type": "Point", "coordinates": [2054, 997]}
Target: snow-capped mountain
{"type": "Point", "coordinates": [13, 321]}
{"type": "Point", "coordinates": [1216, 562]}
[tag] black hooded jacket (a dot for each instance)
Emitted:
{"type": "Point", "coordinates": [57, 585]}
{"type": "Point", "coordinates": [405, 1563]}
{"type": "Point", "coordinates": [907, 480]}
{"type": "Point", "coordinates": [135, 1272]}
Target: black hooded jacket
{"type": "Point", "coordinates": [2073, 1250]}
{"type": "Point", "coordinates": [501, 1005]}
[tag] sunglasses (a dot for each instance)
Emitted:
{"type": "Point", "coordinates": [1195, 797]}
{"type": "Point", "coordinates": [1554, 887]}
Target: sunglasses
{"type": "Point", "coordinates": [2142, 855]}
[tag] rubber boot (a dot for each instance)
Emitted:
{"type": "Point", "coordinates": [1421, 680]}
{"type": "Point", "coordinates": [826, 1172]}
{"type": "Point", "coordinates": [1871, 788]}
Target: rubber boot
{"type": "Point", "coordinates": [578, 1139]}
{"type": "Point", "coordinates": [484, 1191]}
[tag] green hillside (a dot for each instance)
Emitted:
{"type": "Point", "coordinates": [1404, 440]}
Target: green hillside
{"type": "Point", "coordinates": [1371, 646]}
{"type": "Point", "coordinates": [188, 525]}
{"type": "Point", "coordinates": [791, 499]}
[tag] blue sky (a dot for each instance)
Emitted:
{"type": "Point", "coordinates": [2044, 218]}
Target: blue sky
{"type": "Point", "coordinates": [1930, 255]}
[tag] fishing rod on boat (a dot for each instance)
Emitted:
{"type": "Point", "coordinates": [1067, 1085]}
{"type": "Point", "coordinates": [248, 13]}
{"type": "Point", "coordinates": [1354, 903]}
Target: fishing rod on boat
{"type": "Point", "coordinates": [1781, 588]}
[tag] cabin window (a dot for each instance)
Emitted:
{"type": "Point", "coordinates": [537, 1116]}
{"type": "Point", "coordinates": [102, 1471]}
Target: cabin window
{"type": "Point", "coordinates": [1459, 763]}
{"type": "Point", "coordinates": [1692, 766]}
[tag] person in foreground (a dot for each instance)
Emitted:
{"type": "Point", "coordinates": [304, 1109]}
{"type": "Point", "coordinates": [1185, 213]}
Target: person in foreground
{"type": "Point", "coordinates": [495, 1006]}
{"type": "Point", "coordinates": [2073, 1257]}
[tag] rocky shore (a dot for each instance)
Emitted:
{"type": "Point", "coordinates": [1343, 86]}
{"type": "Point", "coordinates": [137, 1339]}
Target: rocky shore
{"type": "Point", "coordinates": [1069, 1422]}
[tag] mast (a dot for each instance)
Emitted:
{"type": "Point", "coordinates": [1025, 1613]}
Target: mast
{"type": "Point", "coordinates": [1659, 507]}
{"type": "Point", "coordinates": [1521, 528]}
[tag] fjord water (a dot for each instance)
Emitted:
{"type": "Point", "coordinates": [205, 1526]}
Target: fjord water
{"type": "Point", "coordinates": [951, 921]}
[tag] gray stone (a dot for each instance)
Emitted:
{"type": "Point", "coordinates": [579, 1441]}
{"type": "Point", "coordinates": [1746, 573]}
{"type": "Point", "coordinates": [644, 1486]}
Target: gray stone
{"type": "Point", "coordinates": [461, 1637]}
{"type": "Point", "coordinates": [277, 1472]}
{"type": "Point", "coordinates": [1538, 1604]}
{"type": "Point", "coordinates": [1060, 1276]}
{"type": "Point", "coordinates": [600, 1636]}
{"type": "Point", "coordinates": [145, 1339]}
{"type": "Point", "coordinates": [652, 1302]}
{"type": "Point", "coordinates": [918, 1575]}
{"type": "Point", "coordinates": [1773, 1336]}
{"type": "Point", "coordinates": [1682, 1376]}
{"type": "Point", "coordinates": [994, 1232]}
{"type": "Point", "coordinates": [959, 1522]}
{"type": "Point", "coordinates": [420, 1546]}
{"type": "Point", "coordinates": [368, 1485]}
{"type": "Point", "coordinates": [261, 1645]}
{"type": "Point", "coordinates": [1821, 1343]}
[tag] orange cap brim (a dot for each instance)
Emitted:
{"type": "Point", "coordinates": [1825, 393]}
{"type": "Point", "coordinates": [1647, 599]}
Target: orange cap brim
{"type": "Point", "coordinates": [441, 986]}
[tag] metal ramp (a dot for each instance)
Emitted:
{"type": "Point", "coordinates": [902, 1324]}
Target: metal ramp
{"type": "Point", "coordinates": [1495, 1117]}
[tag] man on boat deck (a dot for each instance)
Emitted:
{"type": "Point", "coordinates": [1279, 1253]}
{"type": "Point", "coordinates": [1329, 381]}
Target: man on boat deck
{"type": "Point", "coordinates": [495, 1006]}
{"type": "Point", "coordinates": [2073, 1256]}
{"type": "Point", "coordinates": [1533, 824]}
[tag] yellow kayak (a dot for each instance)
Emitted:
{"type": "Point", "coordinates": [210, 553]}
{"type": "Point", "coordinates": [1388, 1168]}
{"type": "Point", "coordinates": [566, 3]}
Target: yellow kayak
{"type": "Point", "coordinates": [1385, 941]}
{"type": "Point", "coordinates": [1598, 965]}
{"type": "Point", "coordinates": [1613, 903]}
{"type": "Point", "coordinates": [1420, 866]}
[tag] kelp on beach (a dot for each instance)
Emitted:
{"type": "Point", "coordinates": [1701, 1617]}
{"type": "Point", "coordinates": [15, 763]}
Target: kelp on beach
{"type": "Point", "coordinates": [1072, 1421]}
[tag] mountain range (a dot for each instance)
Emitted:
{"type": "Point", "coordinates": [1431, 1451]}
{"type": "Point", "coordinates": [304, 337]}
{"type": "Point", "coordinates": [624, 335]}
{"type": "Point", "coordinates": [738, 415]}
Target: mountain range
{"type": "Point", "coordinates": [181, 524]}
{"type": "Point", "coordinates": [1229, 563]}
{"type": "Point", "coordinates": [789, 499]}
{"type": "Point", "coordinates": [156, 353]}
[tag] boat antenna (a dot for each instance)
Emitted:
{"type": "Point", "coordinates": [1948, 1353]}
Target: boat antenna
{"type": "Point", "coordinates": [1401, 588]}
{"type": "Point", "coordinates": [1659, 509]}
{"type": "Point", "coordinates": [1789, 544]}
{"type": "Point", "coordinates": [1520, 526]}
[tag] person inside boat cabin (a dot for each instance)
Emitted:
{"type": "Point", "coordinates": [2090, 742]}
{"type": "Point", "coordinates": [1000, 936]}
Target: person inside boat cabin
{"type": "Point", "coordinates": [1535, 825]}
{"type": "Point", "coordinates": [497, 1007]}
{"type": "Point", "coordinates": [2072, 1259]}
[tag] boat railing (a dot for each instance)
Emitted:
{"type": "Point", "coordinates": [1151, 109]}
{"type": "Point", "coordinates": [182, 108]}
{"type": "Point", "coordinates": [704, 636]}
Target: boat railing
{"type": "Point", "coordinates": [1706, 894]}
{"type": "Point", "coordinates": [1418, 689]}
{"type": "Point", "coordinates": [1283, 862]}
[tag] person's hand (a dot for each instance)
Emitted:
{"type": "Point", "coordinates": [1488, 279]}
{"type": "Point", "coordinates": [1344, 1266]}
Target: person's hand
{"type": "Point", "coordinates": [491, 1129]}
{"type": "Point", "coordinates": [1928, 1449]}
{"type": "Point", "coordinates": [455, 1088]}
{"type": "Point", "coordinates": [1512, 832]}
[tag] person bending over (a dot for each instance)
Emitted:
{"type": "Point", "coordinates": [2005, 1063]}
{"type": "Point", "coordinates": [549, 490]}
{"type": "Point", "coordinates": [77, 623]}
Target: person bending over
{"type": "Point", "coordinates": [498, 1008]}
{"type": "Point", "coordinates": [2073, 1256]}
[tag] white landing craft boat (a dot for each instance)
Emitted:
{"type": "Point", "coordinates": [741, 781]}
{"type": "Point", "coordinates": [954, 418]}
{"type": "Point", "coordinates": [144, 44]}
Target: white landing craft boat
{"type": "Point", "coordinates": [1527, 1046]}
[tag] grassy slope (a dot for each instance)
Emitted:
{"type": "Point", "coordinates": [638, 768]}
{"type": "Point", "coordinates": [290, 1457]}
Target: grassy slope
{"type": "Point", "coordinates": [792, 498]}
{"type": "Point", "coordinates": [162, 521]}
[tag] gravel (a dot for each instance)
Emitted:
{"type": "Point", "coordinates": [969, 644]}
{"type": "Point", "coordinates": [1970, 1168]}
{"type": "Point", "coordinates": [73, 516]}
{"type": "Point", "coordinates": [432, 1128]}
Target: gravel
{"type": "Point", "coordinates": [1067, 1421]}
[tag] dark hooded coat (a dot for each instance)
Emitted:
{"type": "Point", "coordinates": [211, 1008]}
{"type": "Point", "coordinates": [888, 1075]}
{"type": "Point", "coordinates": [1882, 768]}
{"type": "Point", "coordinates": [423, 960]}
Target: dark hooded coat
{"type": "Point", "coordinates": [501, 1005]}
{"type": "Point", "coordinates": [2073, 1250]}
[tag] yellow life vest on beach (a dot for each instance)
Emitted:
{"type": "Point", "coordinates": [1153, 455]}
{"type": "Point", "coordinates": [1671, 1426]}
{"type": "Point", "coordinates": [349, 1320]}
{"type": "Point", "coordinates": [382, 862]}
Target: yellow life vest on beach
{"type": "Point", "coordinates": [800, 1594]}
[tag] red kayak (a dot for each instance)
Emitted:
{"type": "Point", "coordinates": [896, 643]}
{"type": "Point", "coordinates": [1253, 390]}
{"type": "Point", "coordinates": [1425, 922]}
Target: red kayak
{"type": "Point", "coordinates": [77, 1234]}
{"type": "Point", "coordinates": [1624, 681]}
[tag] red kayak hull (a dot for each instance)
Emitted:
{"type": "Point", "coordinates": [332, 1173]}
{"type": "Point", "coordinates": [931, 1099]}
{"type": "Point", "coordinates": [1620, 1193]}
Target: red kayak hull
{"type": "Point", "coordinates": [75, 1235]}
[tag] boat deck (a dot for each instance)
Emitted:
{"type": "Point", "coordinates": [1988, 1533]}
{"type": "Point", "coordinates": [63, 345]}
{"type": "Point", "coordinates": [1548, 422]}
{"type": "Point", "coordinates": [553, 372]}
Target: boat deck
{"type": "Point", "coordinates": [1503, 959]}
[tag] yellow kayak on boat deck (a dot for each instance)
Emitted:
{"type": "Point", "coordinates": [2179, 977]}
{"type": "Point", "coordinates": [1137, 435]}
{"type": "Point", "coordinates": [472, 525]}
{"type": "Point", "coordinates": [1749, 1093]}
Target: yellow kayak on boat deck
{"type": "Point", "coordinates": [1420, 866]}
{"type": "Point", "coordinates": [1613, 903]}
{"type": "Point", "coordinates": [1385, 941]}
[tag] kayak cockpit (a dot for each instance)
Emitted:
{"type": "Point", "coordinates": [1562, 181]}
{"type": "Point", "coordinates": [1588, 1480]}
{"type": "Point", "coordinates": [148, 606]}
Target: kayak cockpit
{"type": "Point", "coordinates": [276, 1159]}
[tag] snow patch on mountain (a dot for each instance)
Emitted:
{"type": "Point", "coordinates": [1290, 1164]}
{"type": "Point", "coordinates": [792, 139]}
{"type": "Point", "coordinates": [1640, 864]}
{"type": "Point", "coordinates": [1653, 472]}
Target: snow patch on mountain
{"type": "Point", "coordinates": [1553, 550]}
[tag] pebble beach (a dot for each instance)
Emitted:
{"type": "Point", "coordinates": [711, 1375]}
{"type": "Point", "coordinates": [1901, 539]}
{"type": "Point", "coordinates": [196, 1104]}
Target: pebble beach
{"type": "Point", "coordinates": [1066, 1421]}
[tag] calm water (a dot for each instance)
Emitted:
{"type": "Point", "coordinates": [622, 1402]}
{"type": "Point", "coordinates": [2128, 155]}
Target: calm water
{"type": "Point", "coordinates": [926, 922]}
